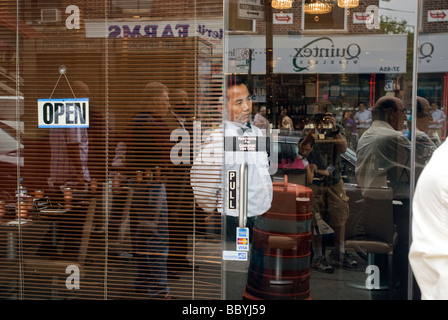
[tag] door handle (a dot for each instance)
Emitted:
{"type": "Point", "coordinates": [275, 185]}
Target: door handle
{"type": "Point", "coordinates": [242, 217]}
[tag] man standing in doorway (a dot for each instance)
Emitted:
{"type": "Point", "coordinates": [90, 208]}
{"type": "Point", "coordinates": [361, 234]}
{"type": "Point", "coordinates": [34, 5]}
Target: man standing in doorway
{"type": "Point", "coordinates": [206, 176]}
{"type": "Point", "coordinates": [219, 158]}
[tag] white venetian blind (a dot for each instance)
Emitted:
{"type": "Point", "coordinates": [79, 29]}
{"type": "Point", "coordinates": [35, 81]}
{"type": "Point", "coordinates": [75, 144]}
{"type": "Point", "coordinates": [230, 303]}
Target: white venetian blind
{"type": "Point", "coordinates": [108, 211]}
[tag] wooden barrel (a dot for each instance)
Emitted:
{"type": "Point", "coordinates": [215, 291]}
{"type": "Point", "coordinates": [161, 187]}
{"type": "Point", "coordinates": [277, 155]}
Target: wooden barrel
{"type": "Point", "coordinates": [279, 267]}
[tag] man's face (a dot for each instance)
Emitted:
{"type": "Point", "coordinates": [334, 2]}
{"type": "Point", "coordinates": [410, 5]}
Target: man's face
{"type": "Point", "coordinates": [305, 149]}
{"type": "Point", "coordinates": [424, 117]}
{"type": "Point", "coordinates": [362, 107]}
{"type": "Point", "coordinates": [162, 104]}
{"type": "Point", "coordinates": [180, 102]}
{"type": "Point", "coordinates": [239, 104]}
{"type": "Point", "coordinates": [398, 117]}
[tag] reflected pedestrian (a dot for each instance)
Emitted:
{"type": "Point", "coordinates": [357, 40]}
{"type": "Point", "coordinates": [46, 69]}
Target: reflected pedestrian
{"type": "Point", "coordinates": [149, 152]}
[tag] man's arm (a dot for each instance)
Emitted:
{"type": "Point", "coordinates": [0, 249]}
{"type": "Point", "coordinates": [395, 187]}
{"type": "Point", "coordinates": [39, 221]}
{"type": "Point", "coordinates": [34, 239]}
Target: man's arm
{"type": "Point", "coordinates": [74, 151]}
{"type": "Point", "coordinates": [205, 176]}
{"type": "Point", "coordinates": [369, 118]}
{"type": "Point", "coordinates": [356, 118]}
{"type": "Point", "coordinates": [442, 117]}
{"type": "Point", "coordinates": [338, 135]}
{"type": "Point", "coordinates": [77, 147]}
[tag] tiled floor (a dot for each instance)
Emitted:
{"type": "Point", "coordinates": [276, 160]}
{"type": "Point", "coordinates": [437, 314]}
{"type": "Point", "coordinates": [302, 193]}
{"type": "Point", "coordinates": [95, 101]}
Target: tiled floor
{"type": "Point", "coordinates": [343, 284]}
{"type": "Point", "coordinates": [207, 282]}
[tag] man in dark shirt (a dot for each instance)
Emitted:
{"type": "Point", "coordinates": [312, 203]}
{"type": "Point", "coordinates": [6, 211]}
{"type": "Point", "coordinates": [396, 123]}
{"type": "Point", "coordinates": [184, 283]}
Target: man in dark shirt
{"type": "Point", "coordinates": [149, 155]}
{"type": "Point", "coordinates": [329, 193]}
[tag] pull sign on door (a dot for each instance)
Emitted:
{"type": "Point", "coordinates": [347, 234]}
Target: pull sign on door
{"type": "Point", "coordinates": [232, 190]}
{"type": "Point", "coordinates": [63, 113]}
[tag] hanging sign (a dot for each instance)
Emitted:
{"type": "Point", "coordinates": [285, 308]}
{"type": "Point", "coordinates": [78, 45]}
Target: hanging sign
{"type": "Point", "coordinates": [63, 113]}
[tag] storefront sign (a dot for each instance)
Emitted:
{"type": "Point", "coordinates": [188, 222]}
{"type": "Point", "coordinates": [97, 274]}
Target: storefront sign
{"type": "Point", "coordinates": [433, 53]}
{"type": "Point", "coordinates": [341, 54]}
{"type": "Point", "coordinates": [324, 54]}
{"type": "Point", "coordinates": [256, 62]}
{"type": "Point", "coordinates": [210, 30]}
{"type": "Point", "coordinates": [63, 113]}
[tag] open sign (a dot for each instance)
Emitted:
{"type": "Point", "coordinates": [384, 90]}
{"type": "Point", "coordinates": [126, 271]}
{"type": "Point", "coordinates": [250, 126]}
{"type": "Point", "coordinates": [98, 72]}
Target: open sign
{"type": "Point", "coordinates": [63, 113]}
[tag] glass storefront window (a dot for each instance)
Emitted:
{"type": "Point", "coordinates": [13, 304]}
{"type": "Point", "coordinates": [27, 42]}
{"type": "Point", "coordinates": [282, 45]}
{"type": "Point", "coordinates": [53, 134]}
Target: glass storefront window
{"type": "Point", "coordinates": [216, 149]}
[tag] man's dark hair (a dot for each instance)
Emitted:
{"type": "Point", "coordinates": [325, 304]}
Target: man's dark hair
{"type": "Point", "coordinates": [153, 91]}
{"type": "Point", "coordinates": [236, 80]}
{"type": "Point", "coordinates": [308, 139]}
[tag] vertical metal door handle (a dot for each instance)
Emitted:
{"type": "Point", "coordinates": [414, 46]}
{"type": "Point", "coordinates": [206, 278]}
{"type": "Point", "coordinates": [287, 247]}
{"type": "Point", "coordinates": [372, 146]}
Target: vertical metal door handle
{"type": "Point", "coordinates": [243, 195]}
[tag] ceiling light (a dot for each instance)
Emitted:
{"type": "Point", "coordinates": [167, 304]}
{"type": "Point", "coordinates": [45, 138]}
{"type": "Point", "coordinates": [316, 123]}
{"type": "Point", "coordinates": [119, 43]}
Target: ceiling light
{"type": "Point", "coordinates": [349, 4]}
{"type": "Point", "coordinates": [282, 4]}
{"type": "Point", "coordinates": [318, 7]}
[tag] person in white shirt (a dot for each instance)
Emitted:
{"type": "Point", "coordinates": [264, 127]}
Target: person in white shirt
{"type": "Point", "coordinates": [383, 162]}
{"type": "Point", "coordinates": [428, 255]}
{"type": "Point", "coordinates": [363, 119]}
{"type": "Point", "coordinates": [437, 124]}
{"type": "Point", "coordinates": [213, 163]}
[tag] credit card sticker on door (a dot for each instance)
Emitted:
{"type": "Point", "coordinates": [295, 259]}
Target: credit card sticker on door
{"type": "Point", "coordinates": [242, 239]}
{"type": "Point", "coordinates": [234, 255]}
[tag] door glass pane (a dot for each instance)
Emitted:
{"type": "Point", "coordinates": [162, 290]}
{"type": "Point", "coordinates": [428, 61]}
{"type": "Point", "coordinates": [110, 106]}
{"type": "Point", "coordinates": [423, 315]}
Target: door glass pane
{"type": "Point", "coordinates": [337, 107]}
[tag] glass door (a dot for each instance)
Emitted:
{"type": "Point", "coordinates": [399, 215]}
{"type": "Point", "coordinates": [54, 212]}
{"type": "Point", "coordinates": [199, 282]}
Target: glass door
{"type": "Point", "coordinates": [330, 88]}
